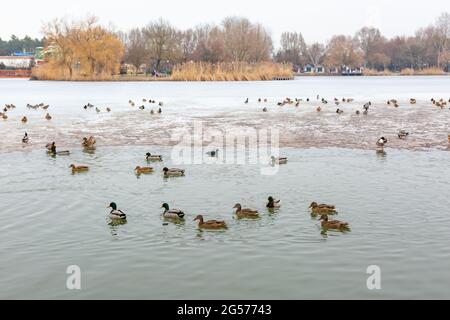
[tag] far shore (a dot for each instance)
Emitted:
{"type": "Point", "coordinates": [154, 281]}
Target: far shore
{"type": "Point", "coordinates": [143, 78]}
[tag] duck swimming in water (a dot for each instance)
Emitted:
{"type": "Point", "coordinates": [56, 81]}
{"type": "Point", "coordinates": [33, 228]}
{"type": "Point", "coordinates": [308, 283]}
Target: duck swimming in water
{"type": "Point", "coordinates": [24, 120]}
{"type": "Point", "coordinates": [339, 111]}
{"type": "Point", "coordinates": [89, 142]}
{"type": "Point", "coordinates": [213, 153]}
{"type": "Point", "coordinates": [25, 138]}
{"type": "Point", "coordinates": [280, 160]}
{"type": "Point", "coordinates": [153, 157]}
{"type": "Point", "coordinates": [333, 224]}
{"type": "Point", "coordinates": [143, 170]}
{"type": "Point", "coordinates": [210, 224]}
{"type": "Point", "coordinates": [402, 134]}
{"type": "Point", "coordinates": [48, 116]}
{"type": "Point", "coordinates": [322, 208]}
{"type": "Point", "coordinates": [173, 172]}
{"type": "Point", "coordinates": [76, 169]}
{"type": "Point", "coordinates": [272, 203]}
{"type": "Point", "coordinates": [116, 214]}
{"type": "Point", "coordinates": [172, 213]}
{"type": "Point", "coordinates": [381, 142]}
{"type": "Point", "coordinates": [245, 213]}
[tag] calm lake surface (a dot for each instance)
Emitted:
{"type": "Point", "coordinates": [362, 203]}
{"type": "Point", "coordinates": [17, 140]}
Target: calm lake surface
{"type": "Point", "coordinates": [396, 202]}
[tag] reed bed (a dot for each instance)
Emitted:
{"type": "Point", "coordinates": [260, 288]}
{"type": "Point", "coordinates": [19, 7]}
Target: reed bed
{"type": "Point", "coordinates": [230, 71]}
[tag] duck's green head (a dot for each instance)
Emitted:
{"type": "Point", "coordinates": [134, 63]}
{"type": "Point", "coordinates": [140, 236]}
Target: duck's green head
{"type": "Point", "coordinates": [270, 199]}
{"type": "Point", "coordinates": [148, 154]}
{"type": "Point", "coordinates": [165, 206]}
{"type": "Point", "coordinates": [113, 206]}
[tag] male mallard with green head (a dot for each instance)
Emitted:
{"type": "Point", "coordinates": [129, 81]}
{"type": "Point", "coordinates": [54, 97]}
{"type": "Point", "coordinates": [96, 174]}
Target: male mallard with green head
{"type": "Point", "coordinates": [173, 172]}
{"type": "Point", "coordinates": [153, 157]}
{"type": "Point", "coordinates": [116, 214]}
{"type": "Point", "coordinates": [172, 213]}
{"type": "Point", "coordinates": [272, 203]}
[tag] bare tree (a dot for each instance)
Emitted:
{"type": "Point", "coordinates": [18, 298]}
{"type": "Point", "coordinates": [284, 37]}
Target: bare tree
{"type": "Point", "coordinates": [161, 42]}
{"type": "Point", "coordinates": [315, 53]}
{"type": "Point", "coordinates": [136, 51]}
{"type": "Point", "coordinates": [293, 49]}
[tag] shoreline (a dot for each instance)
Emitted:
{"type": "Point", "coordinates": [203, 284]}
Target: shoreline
{"type": "Point", "coordinates": [152, 79]}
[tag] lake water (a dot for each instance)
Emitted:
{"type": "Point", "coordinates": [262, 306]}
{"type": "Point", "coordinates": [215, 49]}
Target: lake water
{"type": "Point", "coordinates": [395, 201]}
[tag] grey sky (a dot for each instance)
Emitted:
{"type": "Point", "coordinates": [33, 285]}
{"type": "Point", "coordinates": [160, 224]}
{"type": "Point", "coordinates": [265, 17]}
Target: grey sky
{"type": "Point", "coordinates": [317, 19]}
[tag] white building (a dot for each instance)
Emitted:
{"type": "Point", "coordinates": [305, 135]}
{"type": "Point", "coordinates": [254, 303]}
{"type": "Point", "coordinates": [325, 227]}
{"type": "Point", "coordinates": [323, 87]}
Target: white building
{"type": "Point", "coordinates": [16, 61]}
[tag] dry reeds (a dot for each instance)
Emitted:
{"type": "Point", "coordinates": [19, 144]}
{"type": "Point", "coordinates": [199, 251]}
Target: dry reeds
{"type": "Point", "coordinates": [230, 71]}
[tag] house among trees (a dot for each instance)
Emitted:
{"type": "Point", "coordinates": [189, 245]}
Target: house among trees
{"type": "Point", "coordinates": [312, 69]}
{"type": "Point", "coordinates": [17, 61]}
{"type": "Point", "coordinates": [350, 71]}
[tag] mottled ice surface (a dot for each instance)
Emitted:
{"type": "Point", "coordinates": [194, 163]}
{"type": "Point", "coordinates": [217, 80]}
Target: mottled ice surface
{"type": "Point", "coordinates": [221, 106]}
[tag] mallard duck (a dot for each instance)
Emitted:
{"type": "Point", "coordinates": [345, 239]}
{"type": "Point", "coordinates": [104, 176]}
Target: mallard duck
{"type": "Point", "coordinates": [172, 213]}
{"type": "Point", "coordinates": [144, 100]}
{"type": "Point", "coordinates": [213, 153]}
{"type": "Point", "coordinates": [264, 109]}
{"type": "Point", "coordinates": [152, 112]}
{"type": "Point", "coordinates": [116, 214]}
{"type": "Point", "coordinates": [339, 111]}
{"type": "Point", "coordinates": [318, 109]}
{"type": "Point", "coordinates": [24, 120]}
{"type": "Point", "coordinates": [97, 110]}
{"type": "Point", "coordinates": [4, 116]}
{"type": "Point", "coordinates": [322, 208]}
{"type": "Point", "coordinates": [272, 203]}
{"type": "Point", "coordinates": [51, 149]}
{"type": "Point", "coordinates": [402, 134]}
{"type": "Point", "coordinates": [45, 107]}
{"type": "Point", "coordinates": [259, 100]}
{"type": "Point", "coordinates": [246, 101]}
{"type": "Point", "coordinates": [142, 107]}
{"type": "Point", "coordinates": [25, 138]}
{"type": "Point", "coordinates": [210, 224]}
{"type": "Point", "coordinates": [143, 170]}
{"type": "Point", "coordinates": [48, 116]}
{"type": "Point", "coordinates": [245, 213]}
{"type": "Point", "coordinates": [412, 101]}
{"type": "Point", "coordinates": [78, 168]}
{"type": "Point", "coordinates": [280, 160]}
{"type": "Point", "coordinates": [108, 109]}
{"type": "Point", "coordinates": [153, 157]}
{"type": "Point", "coordinates": [173, 172]}
{"type": "Point", "coordinates": [381, 142]}
{"type": "Point", "coordinates": [160, 104]}
{"type": "Point", "coordinates": [333, 224]}
{"type": "Point", "coordinates": [159, 110]}
{"type": "Point", "coordinates": [358, 112]}
{"type": "Point", "coordinates": [89, 142]}
{"type": "Point", "coordinates": [367, 105]}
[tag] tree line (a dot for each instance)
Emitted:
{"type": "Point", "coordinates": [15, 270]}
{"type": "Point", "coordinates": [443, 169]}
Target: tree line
{"type": "Point", "coordinates": [428, 47]}
{"type": "Point", "coordinates": [84, 47]}
{"type": "Point", "coordinates": [15, 44]}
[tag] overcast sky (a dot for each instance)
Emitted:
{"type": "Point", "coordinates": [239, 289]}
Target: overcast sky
{"type": "Point", "coordinates": [316, 19]}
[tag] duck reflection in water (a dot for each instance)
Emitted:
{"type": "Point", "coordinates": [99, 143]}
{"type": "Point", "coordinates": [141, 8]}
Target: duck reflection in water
{"type": "Point", "coordinates": [381, 154]}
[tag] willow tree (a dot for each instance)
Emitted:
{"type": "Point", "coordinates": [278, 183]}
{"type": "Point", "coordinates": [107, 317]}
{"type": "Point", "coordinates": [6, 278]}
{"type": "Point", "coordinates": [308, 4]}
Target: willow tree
{"type": "Point", "coordinates": [80, 49]}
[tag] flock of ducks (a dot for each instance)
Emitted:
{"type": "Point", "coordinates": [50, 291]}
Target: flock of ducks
{"type": "Point", "coordinates": [87, 106]}
{"type": "Point", "coordinates": [323, 210]}
{"type": "Point", "coordinates": [381, 142]}
{"type": "Point", "coordinates": [118, 215]}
